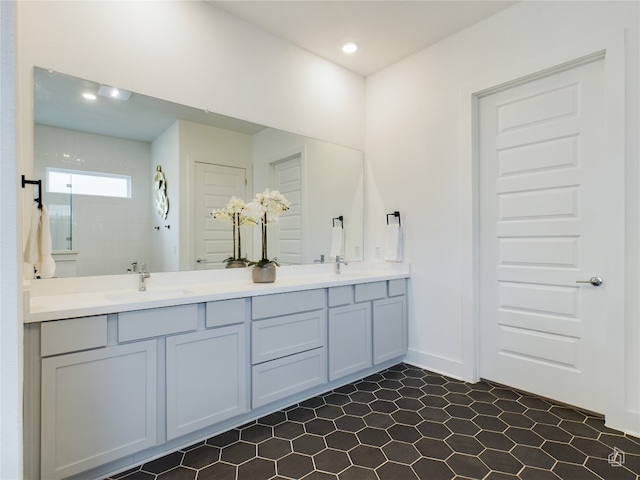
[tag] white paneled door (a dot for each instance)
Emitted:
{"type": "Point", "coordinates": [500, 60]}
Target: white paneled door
{"type": "Point", "coordinates": [214, 187]}
{"type": "Point", "coordinates": [543, 229]}
{"type": "Point", "coordinates": [287, 233]}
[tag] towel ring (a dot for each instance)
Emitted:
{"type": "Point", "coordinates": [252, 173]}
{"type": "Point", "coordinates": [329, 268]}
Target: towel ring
{"type": "Point", "coordinates": [394, 214]}
{"type": "Point", "coordinates": [340, 219]}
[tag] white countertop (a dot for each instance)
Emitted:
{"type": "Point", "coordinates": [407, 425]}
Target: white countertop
{"type": "Point", "coordinates": [59, 298]}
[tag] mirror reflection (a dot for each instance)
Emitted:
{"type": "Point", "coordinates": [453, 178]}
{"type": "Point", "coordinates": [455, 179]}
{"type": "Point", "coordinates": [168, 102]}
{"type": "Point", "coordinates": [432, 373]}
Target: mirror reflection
{"type": "Point", "coordinates": [98, 149]}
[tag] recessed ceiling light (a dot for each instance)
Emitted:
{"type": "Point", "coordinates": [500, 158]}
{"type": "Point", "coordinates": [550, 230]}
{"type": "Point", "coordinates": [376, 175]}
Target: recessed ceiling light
{"type": "Point", "coordinates": [89, 96]}
{"type": "Point", "coordinates": [349, 47]}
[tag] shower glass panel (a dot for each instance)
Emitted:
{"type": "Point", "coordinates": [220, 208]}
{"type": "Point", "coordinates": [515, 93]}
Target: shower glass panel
{"type": "Point", "coordinates": [59, 200]}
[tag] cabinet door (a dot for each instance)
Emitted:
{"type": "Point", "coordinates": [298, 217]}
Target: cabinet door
{"type": "Point", "coordinates": [97, 406]}
{"type": "Point", "coordinates": [389, 329]}
{"type": "Point", "coordinates": [349, 339]}
{"type": "Point", "coordinates": [206, 378]}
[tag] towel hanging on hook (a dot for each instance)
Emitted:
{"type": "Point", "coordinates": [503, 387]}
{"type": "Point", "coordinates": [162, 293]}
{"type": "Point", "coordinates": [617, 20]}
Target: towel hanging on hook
{"type": "Point", "coordinates": [393, 240]}
{"type": "Point", "coordinates": [39, 184]}
{"type": "Point", "coordinates": [337, 238]}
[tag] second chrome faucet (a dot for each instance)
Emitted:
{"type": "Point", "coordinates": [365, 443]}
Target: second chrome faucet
{"type": "Point", "coordinates": [142, 272]}
{"type": "Point", "coordinates": [339, 261]}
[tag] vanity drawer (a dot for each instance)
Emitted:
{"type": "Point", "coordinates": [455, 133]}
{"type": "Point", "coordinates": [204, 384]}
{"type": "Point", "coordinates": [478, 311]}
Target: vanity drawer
{"type": "Point", "coordinates": [397, 287]}
{"type": "Point", "coordinates": [157, 322]}
{"type": "Point", "coordinates": [340, 296]}
{"type": "Point", "coordinates": [281, 336]}
{"type": "Point", "coordinates": [226, 312]}
{"type": "Point", "coordinates": [287, 303]}
{"type": "Point", "coordinates": [286, 376]}
{"type": "Point", "coordinates": [73, 335]}
{"type": "Point", "coordinates": [371, 291]}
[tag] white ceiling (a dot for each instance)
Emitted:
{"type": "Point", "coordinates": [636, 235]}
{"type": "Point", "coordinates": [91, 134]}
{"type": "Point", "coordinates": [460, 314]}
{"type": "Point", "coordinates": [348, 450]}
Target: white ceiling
{"type": "Point", "coordinates": [386, 30]}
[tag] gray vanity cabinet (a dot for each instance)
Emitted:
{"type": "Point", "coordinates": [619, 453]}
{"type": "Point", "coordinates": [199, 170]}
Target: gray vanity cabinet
{"type": "Point", "coordinates": [390, 324]}
{"type": "Point", "coordinates": [350, 333]}
{"type": "Point", "coordinates": [367, 325]}
{"type": "Point", "coordinates": [206, 371]}
{"type": "Point", "coordinates": [96, 405]}
{"type": "Point", "coordinates": [288, 336]}
{"type": "Point", "coordinates": [106, 390]}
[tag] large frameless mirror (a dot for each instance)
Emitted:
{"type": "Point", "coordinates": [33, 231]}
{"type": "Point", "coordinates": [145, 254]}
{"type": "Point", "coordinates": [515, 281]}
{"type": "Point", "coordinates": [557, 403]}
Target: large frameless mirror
{"type": "Point", "coordinates": [98, 150]}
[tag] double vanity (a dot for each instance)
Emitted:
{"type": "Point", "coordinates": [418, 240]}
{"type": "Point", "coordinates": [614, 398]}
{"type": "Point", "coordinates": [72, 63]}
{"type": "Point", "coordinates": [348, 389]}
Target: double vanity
{"type": "Point", "coordinates": [115, 376]}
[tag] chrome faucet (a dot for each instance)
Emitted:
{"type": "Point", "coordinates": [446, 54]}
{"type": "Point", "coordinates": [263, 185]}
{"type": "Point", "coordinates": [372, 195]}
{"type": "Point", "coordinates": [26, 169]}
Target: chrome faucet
{"type": "Point", "coordinates": [338, 262]}
{"type": "Point", "coordinates": [319, 261]}
{"type": "Point", "coordinates": [143, 274]}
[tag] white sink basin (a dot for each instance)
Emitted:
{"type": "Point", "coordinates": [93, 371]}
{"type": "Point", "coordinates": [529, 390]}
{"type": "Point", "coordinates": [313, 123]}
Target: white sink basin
{"type": "Point", "coordinates": [148, 295]}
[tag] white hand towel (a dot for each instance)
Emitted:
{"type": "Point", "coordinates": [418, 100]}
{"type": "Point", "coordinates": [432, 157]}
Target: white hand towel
{"type": "Point", "coordinates": [38, 249]}
{"type": "Point", "coordinates": [31, 247]}
{"type": "Point", "coordinates": [337, 242]}
{"type": "Point", "coordinates": [393, 250]}
{"type": "Point", "coordinates": [47, 266]}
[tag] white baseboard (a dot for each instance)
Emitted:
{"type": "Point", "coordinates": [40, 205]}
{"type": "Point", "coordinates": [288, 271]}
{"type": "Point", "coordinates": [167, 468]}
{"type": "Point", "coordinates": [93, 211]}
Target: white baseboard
{"type": "Point", "coordinates": [436, 364]}
{"type": "Point", "coordinates": [627, 422]}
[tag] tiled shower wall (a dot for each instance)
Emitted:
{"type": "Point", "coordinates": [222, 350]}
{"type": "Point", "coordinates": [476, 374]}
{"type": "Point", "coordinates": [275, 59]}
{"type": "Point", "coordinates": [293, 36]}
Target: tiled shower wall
{"type": "Point", "coordinates": [108, 233]}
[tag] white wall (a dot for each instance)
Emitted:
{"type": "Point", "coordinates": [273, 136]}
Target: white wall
{"type": "Point", "coordinates": [11, 268]}
{"type": "Point", "coordinates": [165, 152]}
{"type": "Point", "coordinates": [415, 162]}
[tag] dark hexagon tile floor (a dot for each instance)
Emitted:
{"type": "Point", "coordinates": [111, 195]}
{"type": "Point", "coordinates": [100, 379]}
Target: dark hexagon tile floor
{"type": "Point", "coordinates": [406, 423]}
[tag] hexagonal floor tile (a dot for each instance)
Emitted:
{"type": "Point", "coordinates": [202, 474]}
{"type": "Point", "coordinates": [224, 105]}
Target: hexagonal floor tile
{"type": "Point", "coordinates": [201, 457]}
{"type": "Point", "coordinates": [309, 444]}
{"type": "Point", "coordinates": [400, 452]}
{"type": "Point", "coordinates": [341, 440]}
{"type": "Point", "coordinates": [375, 437]}
{"type": "Point", "coordinates": [295, 465]}
{"type": "Point", "coordinates": [274, 448]}
{"type": "Point", "coordinates": [218, 471]}
{"type": "Point", "coordinates": [391, 470]}
{"type": "Point", "coordinates": [349, 423]}
{"type": "Point", "coordinates": [238, 453]}
{"type": "Point", "coordinates": [429, 468]}
{"type": "Point", "coordinates": [257, 469]}
{"type": "Point", "coordinates": [319, 426]}
{"type": "Point", "coordinates": [433, 448]}
{"type": "Point", "coordinates": [406, 423]}
{"type": "Point", "coordinates": [366, 456]}
{"type": "Point", "coordinates": [355, 472]}
{"type": "Point", "coordinates": [331, 461]}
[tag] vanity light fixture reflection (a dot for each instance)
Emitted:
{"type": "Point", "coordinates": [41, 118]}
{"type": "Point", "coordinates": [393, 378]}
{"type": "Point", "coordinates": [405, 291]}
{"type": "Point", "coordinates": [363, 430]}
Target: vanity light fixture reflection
{"type": "Point", "coordinates": [113, 92]}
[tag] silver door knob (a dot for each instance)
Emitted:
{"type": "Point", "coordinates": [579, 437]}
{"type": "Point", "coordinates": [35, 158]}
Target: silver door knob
{"type": "Point", "coordinates": [595, 281]}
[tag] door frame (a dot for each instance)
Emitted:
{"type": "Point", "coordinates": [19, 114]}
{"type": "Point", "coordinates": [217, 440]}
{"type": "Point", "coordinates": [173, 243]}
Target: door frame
{"type": "Point", "coordinates": [612, 49]}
